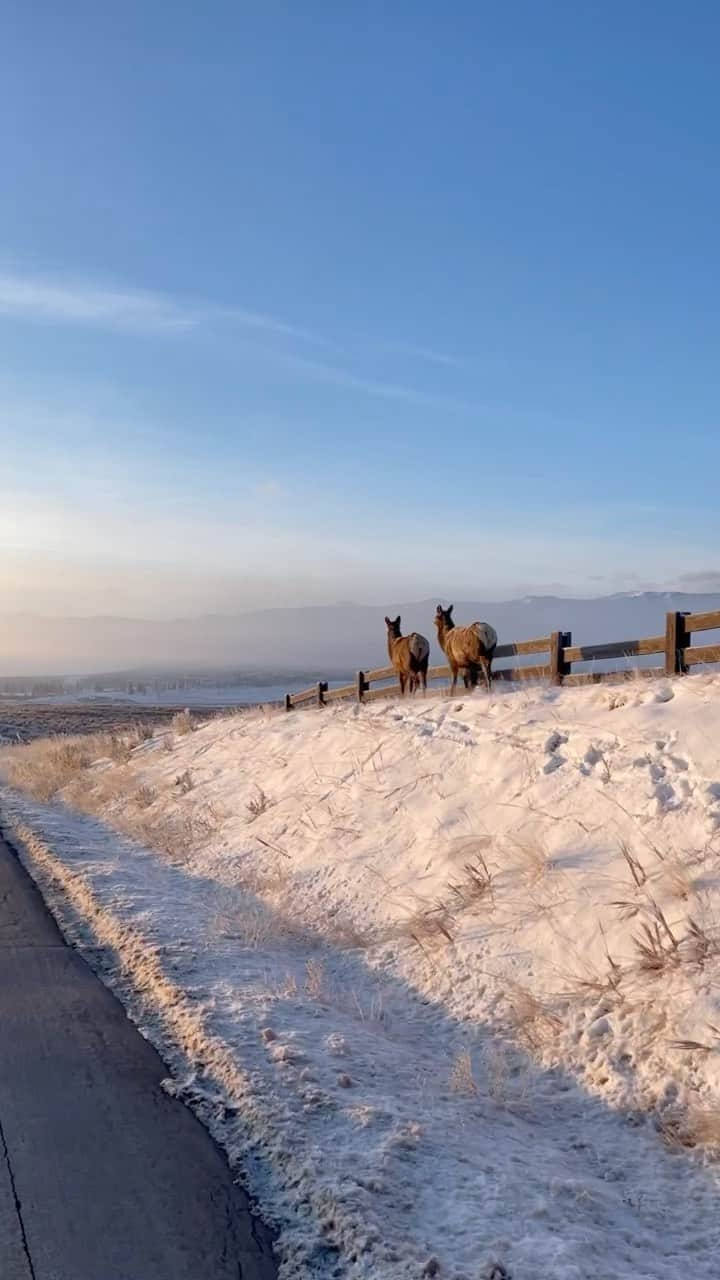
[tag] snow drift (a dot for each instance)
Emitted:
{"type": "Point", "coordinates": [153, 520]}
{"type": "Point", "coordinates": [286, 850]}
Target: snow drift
{"type": "Point", "coordinates": [442, 976]}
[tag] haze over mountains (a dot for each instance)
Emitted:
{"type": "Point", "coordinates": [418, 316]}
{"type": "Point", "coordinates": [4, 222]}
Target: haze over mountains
{"type": "Point", "coordinates": [329, 638]}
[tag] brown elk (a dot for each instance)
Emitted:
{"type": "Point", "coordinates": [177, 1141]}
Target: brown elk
{"type": "Point", "coordinates": [468, 649]}
{"type": "Point", "coordinates": [409, 656]}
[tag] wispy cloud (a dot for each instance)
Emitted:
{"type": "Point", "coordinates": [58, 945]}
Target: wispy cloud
{"type": "Point", "coordinates": [339, 377]}
{"type": "Point", "coordinates": [77, 302]}
{"type": "Point", "coordinates": [427, 353]}
{"type": "Point", "coordinates": [68, 301]}
{"type": "Point", "coordinates": [255, 320]}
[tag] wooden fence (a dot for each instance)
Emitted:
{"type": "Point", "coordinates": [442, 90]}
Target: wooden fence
{"type": "Point", "coordinates": [675, 647]}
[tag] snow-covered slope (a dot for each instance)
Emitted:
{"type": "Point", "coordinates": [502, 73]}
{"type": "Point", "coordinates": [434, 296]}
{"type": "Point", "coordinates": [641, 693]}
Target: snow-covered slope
{"type": "Point", "coordinates": [442, 975]}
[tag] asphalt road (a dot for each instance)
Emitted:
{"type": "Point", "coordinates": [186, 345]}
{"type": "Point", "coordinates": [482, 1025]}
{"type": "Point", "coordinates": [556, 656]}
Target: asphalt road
{"type": "Point", "coordinates": [102, 1175]}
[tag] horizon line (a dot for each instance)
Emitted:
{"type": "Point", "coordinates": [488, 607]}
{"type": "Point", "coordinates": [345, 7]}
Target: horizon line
{"type": "Point", "coordinates": [525, 597]}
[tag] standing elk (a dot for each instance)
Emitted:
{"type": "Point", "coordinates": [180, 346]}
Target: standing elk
{"type": "Point", "coordinates": [468, 649]}
{"type": "Point", "coordinates": [409, 656]}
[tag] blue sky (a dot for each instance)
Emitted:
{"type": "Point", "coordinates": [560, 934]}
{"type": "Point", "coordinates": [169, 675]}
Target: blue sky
{"type": "Point", "coordinates": [315, 302]}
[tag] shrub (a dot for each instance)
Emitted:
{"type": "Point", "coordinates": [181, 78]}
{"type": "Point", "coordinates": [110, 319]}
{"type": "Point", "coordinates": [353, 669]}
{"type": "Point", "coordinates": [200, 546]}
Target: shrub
{"type": "Point", "coordinates": [142, 732]}
{"type": "Point", "coordinates": [119, 749]}
{"type": "Point", "coordinates": [182, 722]}
{"type": "Point", "coordinates": [145, 796]}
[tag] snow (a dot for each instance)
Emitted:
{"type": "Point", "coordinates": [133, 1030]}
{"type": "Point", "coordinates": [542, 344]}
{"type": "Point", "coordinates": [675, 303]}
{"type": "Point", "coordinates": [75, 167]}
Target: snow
{"type": "Point", "coordinates": [434, 973]}
{"type": "Point", "coordinates": [201, 696]}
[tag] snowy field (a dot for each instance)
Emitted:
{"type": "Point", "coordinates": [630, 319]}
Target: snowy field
{"type": "Point", "coordinates": [441, 975]}
{"type": "Point", "coordinates": [201, 696]}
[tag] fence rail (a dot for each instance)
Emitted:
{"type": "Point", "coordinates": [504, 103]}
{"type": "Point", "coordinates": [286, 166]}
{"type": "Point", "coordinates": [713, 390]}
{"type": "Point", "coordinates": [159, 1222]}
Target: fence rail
{"type": "Point", "coordinates": [675, 646]}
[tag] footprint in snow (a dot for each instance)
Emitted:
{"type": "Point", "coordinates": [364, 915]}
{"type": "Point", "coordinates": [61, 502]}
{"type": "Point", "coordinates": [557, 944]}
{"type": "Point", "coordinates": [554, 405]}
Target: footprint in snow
{"type": "Point", "coordinates": [664, 798]}
{"type": "Point", "coordinates": [712, 792]}
{"type": "Point", "coordinates": [553, 763]}
{"type": "Point", "coordinates": [552, 743]}
{"type": "Point", "coordinates": [592, 756]}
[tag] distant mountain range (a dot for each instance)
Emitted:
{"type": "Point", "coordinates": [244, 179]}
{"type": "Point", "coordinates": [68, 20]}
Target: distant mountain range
{"type": "Point", "coordinates": [332, 638]}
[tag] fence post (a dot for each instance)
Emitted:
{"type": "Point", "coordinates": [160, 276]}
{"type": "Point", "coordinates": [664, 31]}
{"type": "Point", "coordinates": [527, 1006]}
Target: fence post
{"type": "Point", "coordinates": [321, 691]}
{"type": "Point", "coordinates": [559, 642]}
{"type": "Point", "coordinates": [361, 685]}
{"type": "Point", "coordinates": [288, 702]}
{"type": "Point", "coordinates": [676, 641]}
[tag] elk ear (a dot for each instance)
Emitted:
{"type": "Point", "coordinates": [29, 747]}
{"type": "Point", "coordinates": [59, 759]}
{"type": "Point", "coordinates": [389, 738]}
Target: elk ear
{"type": "Point", "coordinates": [439, 610]}
{"type": "Point", "coordinates": [388, 623]}
{"type": "Point", "coordinates": [450, 608]}
{"type": "Point", "coordinates": [397, 621]}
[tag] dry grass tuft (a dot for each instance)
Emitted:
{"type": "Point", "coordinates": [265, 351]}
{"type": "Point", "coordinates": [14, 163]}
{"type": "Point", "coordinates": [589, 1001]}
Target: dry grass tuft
{"type": "Point", "coordinates": [371, 1012]}
{"type": "Point", "coordinates": [698, 945]}
{"type": "Point", "coordinates": [315, 978]}
{"type": "Point", "coordinates": [141, 732]}
{"type": "Point", "coordinates": [600, 985]}
{"type": "Point", "coordinates": [637, 871]}
{"type": "Point", "coordinates": [93, 789]}
{"type": "Point", "coordinates": [677, 879]}
{"type": "Point", "coordinates": [705, 1125]}
{"type": "Point", "coordinates": [532, 860]}
{"type": "Point", "coordinates": [249, 923]}
{"type": "Point", "coordinates": [184, 782]}
{"type": "Point", "coordinates": [656, 945]}
{"type": "Point", "coordinates": [183, 722]}
{"type": "Point", "coordinates": [462, 1079]}
{"type": "Point", "coordinates": [145, 796]}
{"type": "Point", "coordinates": [476, 885]}
{"type": "Point", "coordinates": [531, 1022]}
{"type": "Point", "coordinates": [176, 836]}
{"type": "Point", "coordinates": [499, 1073]}
{"type": "Point", "coordinates": [627, 910]}
{"type": "Point", "coordinates": [44, 767]}
{"type": "Point", "coordinates": [615, 700]}
{"type": "Point", "coordinates": [659, 948]}
{"type": "Point", "coordinates": [690, 1127]}
{"type": "Point", "coordinates": [119, 749]}
{"type": "Point", "coordinates": [698, 1046]}
{"type": "Point", "coordinates": [257, 804]}
{"type": "Point", "coordinates": [346, 935]}
{"type": "Point", "coordinates": [430, 926]}
{"type": "Point", "coordinates": [605, 984]}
